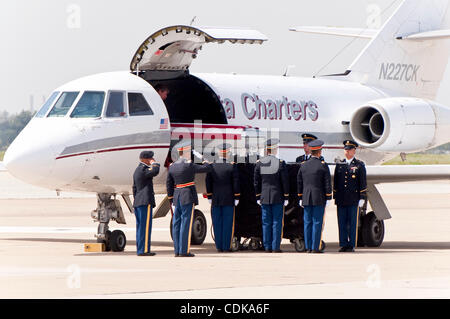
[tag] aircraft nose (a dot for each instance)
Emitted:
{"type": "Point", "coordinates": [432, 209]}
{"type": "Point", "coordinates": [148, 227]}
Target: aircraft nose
{"type": "Point", "coordinates": [29, 160]}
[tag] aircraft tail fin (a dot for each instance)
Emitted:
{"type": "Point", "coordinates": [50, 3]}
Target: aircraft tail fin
{"type": "Point", "coordinates": [410, 53]}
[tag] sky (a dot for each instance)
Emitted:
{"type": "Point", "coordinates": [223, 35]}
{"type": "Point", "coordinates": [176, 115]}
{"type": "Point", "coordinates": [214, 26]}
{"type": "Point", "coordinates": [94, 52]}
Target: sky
{"type": "Point", "coordinates": [47, 43]}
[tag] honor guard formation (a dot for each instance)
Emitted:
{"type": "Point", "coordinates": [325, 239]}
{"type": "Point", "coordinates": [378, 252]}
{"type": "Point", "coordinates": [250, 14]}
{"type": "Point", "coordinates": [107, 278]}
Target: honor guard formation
{"type": "Point", "coordinates": [315, 191]}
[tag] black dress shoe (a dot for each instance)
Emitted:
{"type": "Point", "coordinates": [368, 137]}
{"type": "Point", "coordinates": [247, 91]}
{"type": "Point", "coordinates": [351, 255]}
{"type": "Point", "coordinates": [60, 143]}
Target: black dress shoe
{"type": "Point", "coordinates": [317, 251]}
{"type": "Point", "coordinates": [147, 254]}
{"type": "Point", "coordinates": [268, 251]}
{"type": "Point", "coordinates": [350, 250]}
{"type": "Point", "coordinates": [278, 251]}
{"type": "Point", "coordinates": [187, 255]}
{"type": "Point", "coordinates": [343, 249]}
{"type": "Point", "coordinates": [177, 255]}
{"type": "Point", "coordinates": [308, 251]}
{"type": "Point", "coordinates": [220, 250]}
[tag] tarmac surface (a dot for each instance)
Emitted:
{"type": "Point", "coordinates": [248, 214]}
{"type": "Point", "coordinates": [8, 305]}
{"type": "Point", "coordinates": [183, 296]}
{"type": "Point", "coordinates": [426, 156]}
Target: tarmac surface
{"type": "Point", "coordinates": [42, 256]}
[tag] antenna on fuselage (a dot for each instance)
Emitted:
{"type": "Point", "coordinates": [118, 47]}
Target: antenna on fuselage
{"type": "Point", "coordinates": [288, 69]}
{"type": "Point", "coordinates": [192, 21]}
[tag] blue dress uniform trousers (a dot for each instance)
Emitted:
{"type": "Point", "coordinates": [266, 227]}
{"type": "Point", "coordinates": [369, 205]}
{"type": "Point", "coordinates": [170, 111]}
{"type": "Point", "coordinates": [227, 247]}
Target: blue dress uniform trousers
{"type": "Point", "coordinates": [143, 228]}
{"type": "Point", "coordinates": [181, 227]}
{"type": "Point", "coordinates": [313, 224]}
{"type": "Point", "coordinates": [272, 224]}
{"type": "Point", "coordinates": [223, 224]}
{"type": "Point", "coordinates": [348, 225]}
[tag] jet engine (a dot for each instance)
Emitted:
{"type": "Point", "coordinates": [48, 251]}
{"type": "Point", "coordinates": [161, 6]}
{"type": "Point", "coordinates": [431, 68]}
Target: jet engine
{"type": "Point", "coordinates": [401, 125]}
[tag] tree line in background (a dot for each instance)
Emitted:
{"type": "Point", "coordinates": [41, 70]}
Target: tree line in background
{"type": "Point", "coordinates": [12, 124]}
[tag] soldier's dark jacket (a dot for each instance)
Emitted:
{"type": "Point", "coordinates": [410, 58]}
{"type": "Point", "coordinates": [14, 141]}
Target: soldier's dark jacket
{"type": "Point", "coordinates": [314, 182]}
{"type": "Point", "coordinates": [350, 183]}
{"type": "Point", "coordinates": [143, 192]}
{"type": "Point", "coordinates": [271, 180]}
{"type": "Point", "coordinates": [180, 181]}
{"type": "Point", "coordinates": [303, 158]}
{"type": "Point", "coordinates": [222, 184]}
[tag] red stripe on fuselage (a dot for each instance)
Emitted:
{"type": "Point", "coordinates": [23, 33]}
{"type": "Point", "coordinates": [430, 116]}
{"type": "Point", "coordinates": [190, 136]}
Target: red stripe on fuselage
{"type": "Point", "coordinates": [114, 150]}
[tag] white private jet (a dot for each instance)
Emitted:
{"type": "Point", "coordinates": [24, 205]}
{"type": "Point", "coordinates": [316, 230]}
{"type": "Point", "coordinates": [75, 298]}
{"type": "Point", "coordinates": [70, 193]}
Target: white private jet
{"type": "Point", "coordinates": [88, 134]}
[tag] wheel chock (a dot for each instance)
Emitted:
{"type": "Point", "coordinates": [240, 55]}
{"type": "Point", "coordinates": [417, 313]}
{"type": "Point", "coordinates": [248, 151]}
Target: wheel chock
{"type": "Point", "coordinates": [94, 247]}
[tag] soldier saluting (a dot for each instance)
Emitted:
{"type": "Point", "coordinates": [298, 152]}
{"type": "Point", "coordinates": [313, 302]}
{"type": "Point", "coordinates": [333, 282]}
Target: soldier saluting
{"type": "Point", "coordinates": [223, 191]}
{"type": "Point", "coordinates": [183, 197]}
{"type": "Point", "coordinates": [272, 193]}
{"type": "Point", "coordinates": [314, 193]}
{"type": "Point", "coordinates": [349, 188]}
{"type": "Point", "coordinates": [144, 201]}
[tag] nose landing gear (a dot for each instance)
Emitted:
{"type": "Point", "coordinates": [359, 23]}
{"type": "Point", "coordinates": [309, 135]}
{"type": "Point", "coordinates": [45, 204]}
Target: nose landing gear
{"type": "Point", "coordinates": [109, 209]}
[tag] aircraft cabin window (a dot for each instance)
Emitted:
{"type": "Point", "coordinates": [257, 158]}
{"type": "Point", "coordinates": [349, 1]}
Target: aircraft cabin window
{"type": "Point", "coordinates": [47, 105]}
{"type": "Point", "coordinates": [63, 104]}
{"type": "Point", "coordinates": [90, 105]}
{"type": "Point", "coordinates": [138, 105]}
{"type": "Point", "coordinates": [115, 106]}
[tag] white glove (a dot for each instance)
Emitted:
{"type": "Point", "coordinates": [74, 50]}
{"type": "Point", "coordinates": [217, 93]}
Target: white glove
{"type": "Point", "coordinates": [327, 203]}
{"type": "Point", "coordinates": [173, 208]}
{"type": "Point", "coordinates": [236, 202]}
{"type": "Point", "coordinates": [210, 201]}
{"type": "Point", "coordinates": [259, 202]}
{"type": "Point", "coordinates": [300, 203]}
{"type": "Point", "coordinates": [361, 203]}
{"type": "Point", "coordinates": [286, 202]}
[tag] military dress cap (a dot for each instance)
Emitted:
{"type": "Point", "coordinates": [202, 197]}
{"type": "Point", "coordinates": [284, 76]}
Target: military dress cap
{"type": "Point", "coordinates": [146, 154]}
{"type": "Point", "coordinates": [272, 143]}
{"type": "Point", "coordinates": [316, 145]}
{"type": "Point", "coordinates": [308, 138]}
{"type": "Point", "coordinates": [349, 144]}
{"type": "Point", "coordinates": [183, 145]}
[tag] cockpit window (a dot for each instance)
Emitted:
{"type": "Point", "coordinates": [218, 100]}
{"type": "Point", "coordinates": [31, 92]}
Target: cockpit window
{"type": "Point", "coordinates": [138, 105]}
{"type": "Point", "coordinates": [63, 104]}
{"type": "Point", "coordinates": [47, 105]}
{"type": "Point", "coordinates": [115, 106]}
{"type": "Point", "coordinates": [90, 105]}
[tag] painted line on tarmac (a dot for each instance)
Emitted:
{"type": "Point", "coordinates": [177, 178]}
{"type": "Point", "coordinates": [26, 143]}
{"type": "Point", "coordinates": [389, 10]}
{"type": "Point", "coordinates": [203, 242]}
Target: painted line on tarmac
{"type": "Point", "coordinates": [61, 230]}
{"type": "Point", "coordinates": [18, 271]}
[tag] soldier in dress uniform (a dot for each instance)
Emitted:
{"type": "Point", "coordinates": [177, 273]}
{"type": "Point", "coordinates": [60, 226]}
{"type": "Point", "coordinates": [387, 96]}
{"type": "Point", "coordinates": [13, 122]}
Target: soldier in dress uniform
{"type": "Point", "coordinates": [314, 193]}
{"type": "Point", "coordinates": [223, 191]}
{"type": "Point", "coordinates": [144, 201]}
{"type": "Point", "coordinates": [183, 197]}
{"type": "Point", "coordinates": [272, 193]}
{"type": "Point", "coordinates": [306, 139]}
{"type": "Point", "coordinates": [349, 188]}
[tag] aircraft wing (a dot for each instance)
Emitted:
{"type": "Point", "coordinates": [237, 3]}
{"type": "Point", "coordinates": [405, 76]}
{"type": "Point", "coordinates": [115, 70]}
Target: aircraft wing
{"type": "Point", "coordinates": [337, 31]}
{"type": "Point", "coordinates": [407, 173]}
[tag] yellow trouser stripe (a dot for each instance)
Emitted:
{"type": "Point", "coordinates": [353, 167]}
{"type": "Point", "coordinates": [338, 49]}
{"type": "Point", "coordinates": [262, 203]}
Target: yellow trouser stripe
{"type": "Point", "coordinates": [232, 229]}
{"type": "Point", "coordinates": [282, 226]}
{"type": "Point", "coordinates": [190, 230]}
{"type": "Point", "coordinates": [146, 229]}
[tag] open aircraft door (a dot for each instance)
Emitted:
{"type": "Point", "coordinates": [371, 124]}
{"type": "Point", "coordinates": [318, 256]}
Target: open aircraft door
{"type": "Point", "coordinates": [173, 48]}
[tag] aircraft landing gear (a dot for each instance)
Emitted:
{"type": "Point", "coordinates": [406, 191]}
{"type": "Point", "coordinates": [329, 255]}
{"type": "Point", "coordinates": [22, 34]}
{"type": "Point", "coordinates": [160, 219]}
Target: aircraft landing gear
{"type": "Point", "coordinates": [370, 230]}
{"type": "Point", "coordinates": [109, 209]}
